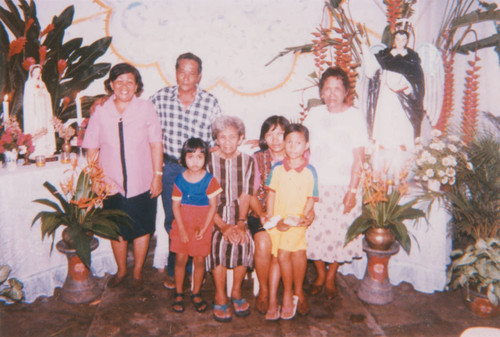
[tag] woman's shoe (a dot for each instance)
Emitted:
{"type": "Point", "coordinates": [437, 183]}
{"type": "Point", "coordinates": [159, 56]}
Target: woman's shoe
{"type": "Point", "coordinates": [238, 305]}
{"type": "Point", "coordinates": [289, 314]}
{"type": "Point", "coordinates": [225, 309]}
{"type": "Point", "coordinates": [273, 315]}
{"type": "Point", "coordinates": [169, 284]}
{"type": "Point", "coordinates": [178, 305]}
{"type": "Point", "coordinates": [200, 306]}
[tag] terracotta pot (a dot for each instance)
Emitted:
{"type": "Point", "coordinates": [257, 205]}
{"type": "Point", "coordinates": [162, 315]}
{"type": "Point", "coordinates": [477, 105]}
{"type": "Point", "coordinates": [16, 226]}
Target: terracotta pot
{"type": "Point", "coordinates": [70, 244]}
{"type": "Point", "coordinates": [379, 238]}
{"type": "Point", "coordinates": [480, 304]}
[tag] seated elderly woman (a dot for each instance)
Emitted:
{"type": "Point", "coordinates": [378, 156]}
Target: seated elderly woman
{"type": "Point", "coordinates": [232, 245]}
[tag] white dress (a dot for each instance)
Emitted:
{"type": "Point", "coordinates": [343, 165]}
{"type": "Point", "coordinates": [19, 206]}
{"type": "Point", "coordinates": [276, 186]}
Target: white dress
{"type": "Point", "coordinates": [37, 116]}
{"type": "Point", "coordinates": [333, 136]}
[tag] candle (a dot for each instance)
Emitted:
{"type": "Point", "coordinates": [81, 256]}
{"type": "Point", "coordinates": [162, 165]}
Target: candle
{"type": "Point", "coordinates": [78, 109]}
{"type": "Point", "coordinates": [5, 106]}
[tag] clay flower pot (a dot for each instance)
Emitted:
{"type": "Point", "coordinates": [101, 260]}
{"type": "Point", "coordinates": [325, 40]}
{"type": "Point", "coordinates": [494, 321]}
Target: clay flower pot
{"type": "Point", "coordinates": [379, 238]}
{"type": "Point", "coordinates": [480, 304]}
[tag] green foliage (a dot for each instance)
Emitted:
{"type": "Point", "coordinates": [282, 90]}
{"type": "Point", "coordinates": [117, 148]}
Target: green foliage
{"type": "Point", "coordinates": [80, 70]}
{"type": "Point", "coordinates": [477, 267]}
{"type": "Point", "coordinates": [81, 215]}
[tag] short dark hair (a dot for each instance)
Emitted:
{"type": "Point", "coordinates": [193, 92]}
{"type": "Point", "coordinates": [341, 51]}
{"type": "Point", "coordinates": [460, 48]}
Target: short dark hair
{"type": "Point", "coordinates": [120, 69]}
{"type": "Point", "coordinates": [271, 123]}
{"type": "Point", "coordinates": [297, 128]}
{"type": "Point", "coordinates": [190, 146]}
{"type": "Point", "coordinates": [336, 72]}
{"type": "Point", "coordinates": [188, 56]}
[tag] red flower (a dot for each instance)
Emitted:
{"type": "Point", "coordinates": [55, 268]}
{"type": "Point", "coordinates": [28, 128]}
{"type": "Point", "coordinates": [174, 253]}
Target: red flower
{"type": "Point", "coordinates": [28, 63]}
{"type": "Point", "coordinates": [7, 137]}
{"type": "Point", "coordinates": [16, 46]}
{"type": "Point", "coordinates": [28, 25]}
{"type": "Point", "coordinates": [2, 149]}
{"type": "Point", "coordinates": [43, 52]}
{"type": "Point", "coordinates": [21, 139]}
{"type": "Point", "coordinates": [47, 30]}
{"type": "Point", "coordinates": [61, 66]}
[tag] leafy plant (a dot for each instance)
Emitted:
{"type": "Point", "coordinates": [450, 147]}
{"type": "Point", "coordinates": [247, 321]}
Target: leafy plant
{"type": "Point", "coordinates": [12, 292]}
{"type": "Point", "coordinates": [474, 200]}
{"type": "Point", "coordinates": [81, 211]}
{"type": "Point", "coordinates": [68, 67]}
{"type": "Point", "coordinates": [477, 267]}
{"type": "Point", "coordinates": [382, 208]}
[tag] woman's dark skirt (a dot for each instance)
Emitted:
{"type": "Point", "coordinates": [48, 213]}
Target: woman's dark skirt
{"type": "Point", "coordinates": [142, 210]}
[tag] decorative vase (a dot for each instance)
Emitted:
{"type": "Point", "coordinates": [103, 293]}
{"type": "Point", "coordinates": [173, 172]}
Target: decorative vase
{"type": "Point", "coordinates": [66, 149]}
{"type": "Point", "coordinates": [10, 158]}
{"type": "Point", "coordinates": [375, 287]}
{"type": "Point", "coordinates": [379, 238]}
{"type": "Point", "coordinates": [479, 303]}
{"type": "Point", "coordinates": [80, 285]}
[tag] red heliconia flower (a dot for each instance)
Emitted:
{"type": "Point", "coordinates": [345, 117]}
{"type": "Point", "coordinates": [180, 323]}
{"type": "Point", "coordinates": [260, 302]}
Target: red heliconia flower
{"type": "Point", "coordinates": [47, 29]}
{"type": "Point", "coordinates": [16, 47]}
{"type": "Point", "coordinates": [61, 66]}
{"type": "Point", "coordinates": [28, 62]}
{"type": "Point", "coordinates": [43, 53]}
{"type": "Point", "coordinates": [28, 25]}
{"type": "Point", "coordinates": [7, 137]}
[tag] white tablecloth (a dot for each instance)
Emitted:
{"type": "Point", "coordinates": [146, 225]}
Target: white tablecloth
{"type": "Point", "coordinates": [425, 267]}
{"type": "Point", "coordinates": [21, 246]}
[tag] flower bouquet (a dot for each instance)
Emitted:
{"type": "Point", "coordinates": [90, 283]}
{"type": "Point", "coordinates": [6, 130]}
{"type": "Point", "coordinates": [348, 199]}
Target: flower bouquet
{"type": "Point", "coordinates": [13, 139]}
{"type": "Point", "coordinates": [80, 210]}
{"type": "Point", "coordinates": [65, 132]}
{"type": "Point", "coordinates": [381, 208]}
{"type": "Point", "coordinates": [436, 162]}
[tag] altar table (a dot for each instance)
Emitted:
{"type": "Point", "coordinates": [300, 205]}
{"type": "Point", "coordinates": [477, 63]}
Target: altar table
{"type": "Point", "coordinates": [21, 246]}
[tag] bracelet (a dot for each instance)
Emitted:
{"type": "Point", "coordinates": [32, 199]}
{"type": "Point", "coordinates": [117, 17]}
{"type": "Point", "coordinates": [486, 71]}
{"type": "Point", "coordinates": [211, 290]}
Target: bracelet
{"type": "Point", "coordinates": [158, 173]}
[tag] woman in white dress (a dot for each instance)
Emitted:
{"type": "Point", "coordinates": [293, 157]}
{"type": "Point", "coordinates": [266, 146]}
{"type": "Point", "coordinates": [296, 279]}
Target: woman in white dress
{"type": "Point", "coordinates": [37, 113]}
{"type": "Point", "coordinates": [337, 140]}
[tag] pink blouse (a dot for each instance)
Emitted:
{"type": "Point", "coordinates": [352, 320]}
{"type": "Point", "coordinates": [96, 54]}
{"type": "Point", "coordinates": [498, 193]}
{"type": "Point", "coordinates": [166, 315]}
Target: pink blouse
{"type": "Point", "coordinates": [141, 127]}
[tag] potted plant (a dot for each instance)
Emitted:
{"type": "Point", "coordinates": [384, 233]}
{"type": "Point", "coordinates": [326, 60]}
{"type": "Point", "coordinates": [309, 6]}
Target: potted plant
{"type": "Point", "coordinates": [80, 211]}
{"type": "Point", "coordinates": [14, 142]}
{"type": "Point", "coordinates": [474, 204]}
{"type": "Point", "coordinates": [382, 211]}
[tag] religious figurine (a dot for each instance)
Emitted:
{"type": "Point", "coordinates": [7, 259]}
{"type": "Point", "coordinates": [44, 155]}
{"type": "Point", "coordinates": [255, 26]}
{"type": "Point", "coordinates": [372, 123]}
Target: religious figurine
{"type": "Point", "coordinates": [395, 94]}
{"type": "Point", "coordinates": [37, 113]}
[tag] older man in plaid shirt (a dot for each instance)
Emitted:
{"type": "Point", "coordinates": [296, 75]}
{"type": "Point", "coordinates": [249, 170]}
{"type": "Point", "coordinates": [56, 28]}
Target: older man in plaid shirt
{"type": "Point", "coordinates": [185, 111]}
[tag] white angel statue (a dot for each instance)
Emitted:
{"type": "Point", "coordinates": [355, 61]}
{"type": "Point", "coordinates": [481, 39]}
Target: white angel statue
{"type": "Point", "coordinates": [37, 113]}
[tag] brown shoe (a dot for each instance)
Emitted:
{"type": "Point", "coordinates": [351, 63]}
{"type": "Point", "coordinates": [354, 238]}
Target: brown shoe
{"type": "Point", "coordinates": [169, 284]}
{"type": "Point", "coordinates": [116, 280]}
{"type": "Point", "coordinates": [303, 307]}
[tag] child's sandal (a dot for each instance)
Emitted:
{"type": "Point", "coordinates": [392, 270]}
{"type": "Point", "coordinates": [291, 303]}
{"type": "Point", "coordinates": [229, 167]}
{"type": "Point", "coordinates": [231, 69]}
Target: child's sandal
{"type": "Point", "coordinates": [200, 306]}
{"type": "Point", "coordinates": [178, 305]}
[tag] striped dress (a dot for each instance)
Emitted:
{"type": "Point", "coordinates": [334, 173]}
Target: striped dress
{"type": "Point", "coordinates": [235, 177]}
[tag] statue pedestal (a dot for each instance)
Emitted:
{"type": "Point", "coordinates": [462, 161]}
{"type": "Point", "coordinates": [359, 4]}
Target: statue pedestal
{"type": "Point", "coordinates": [375, 287]}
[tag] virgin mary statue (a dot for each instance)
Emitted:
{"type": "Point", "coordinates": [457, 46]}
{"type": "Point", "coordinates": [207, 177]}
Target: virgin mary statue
{"type": "Point", "coordinates": [37, 113]}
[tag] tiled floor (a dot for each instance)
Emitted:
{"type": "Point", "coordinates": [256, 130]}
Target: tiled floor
{"type": "Point", "coordinates": [125, 312]}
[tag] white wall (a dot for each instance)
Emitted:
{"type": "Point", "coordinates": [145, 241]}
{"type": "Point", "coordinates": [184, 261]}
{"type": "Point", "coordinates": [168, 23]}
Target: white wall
{"type": "Point", "coordinates": [235, 39]}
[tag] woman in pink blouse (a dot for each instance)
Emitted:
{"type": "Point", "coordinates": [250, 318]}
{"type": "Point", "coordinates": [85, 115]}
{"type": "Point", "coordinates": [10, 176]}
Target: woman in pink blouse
{"type": "Point", "coordinates": [126, 134]}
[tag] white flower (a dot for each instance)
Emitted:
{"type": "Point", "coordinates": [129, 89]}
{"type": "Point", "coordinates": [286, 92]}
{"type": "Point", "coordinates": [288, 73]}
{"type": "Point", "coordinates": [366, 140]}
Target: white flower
{"type": "Point", "coordinates": [429, 173]}
{"type": "Point", "coordinates": [426, 154]}
{"type": "Point", "coordinates": [437, 145]}
{"type": "Point", "coordinates": [452, 148]}
{"type": "Point", "coordinates": [435, 133]}
{"type": "Point", "coordinates": [452, 181]}
{"type": "Point", "coordinates": [441, 173]}
{"type": "Point", "coordinates": [469, 165]}
{"type": "Point", "coordinates": [431, 160]}
{"type": "Point", "coordinates": [418, 148]}
{"type": "Point", "coordinates": [450, 172]}
{"type": "Point", "coordinates": [418, 140]}
{"type": "Point", "coordinates": [420, 162]}
{"type": "Point", "coordinates": [453, 138]}
{"type": "Point", "coordinates": [417, 178]}
{"type": "Point", "coordinates": [449, 161]}
{"type": "Point", "coordinates": [425, 178]}
{"type": "Point", "coordinates": [444, 181]}
{"type": "Point", "coordinates": [433, 185]}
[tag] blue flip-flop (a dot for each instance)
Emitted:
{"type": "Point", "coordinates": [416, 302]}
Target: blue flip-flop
{"type": "Point", "coordinates": [237, 304]}
{"type": "Point", "coordinates": [224, 308]}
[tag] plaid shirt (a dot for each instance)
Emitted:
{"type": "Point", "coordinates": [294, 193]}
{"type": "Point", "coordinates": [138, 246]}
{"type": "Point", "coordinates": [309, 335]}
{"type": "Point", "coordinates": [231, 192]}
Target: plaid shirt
{"type": "Point", "coordinates": [179, 125]}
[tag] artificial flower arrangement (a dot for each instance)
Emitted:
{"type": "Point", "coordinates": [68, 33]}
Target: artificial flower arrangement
{"type": "Point", "coordinates": [382, 195]}
{"type": "Point", "coordinates": [13, 139]}
{"type": "Point", "coordinates": [80, 210]}
{"type": "Point", "coordinates": [65, 132]}
{"type": "Point", "coordinates": [436, 162]}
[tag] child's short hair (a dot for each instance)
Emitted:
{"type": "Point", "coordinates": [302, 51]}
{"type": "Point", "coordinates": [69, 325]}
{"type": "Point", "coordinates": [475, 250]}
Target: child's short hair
{"type": "Point", "coordinates": [190, 146]}
{"type": "Point", "coordinates": [297, 128]}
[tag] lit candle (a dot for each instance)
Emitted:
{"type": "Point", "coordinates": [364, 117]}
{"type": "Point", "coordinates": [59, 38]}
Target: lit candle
{"type": "Point", "coordinates": [5, 106]}
{"type": "Point", "coordinates": [78, 109]}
